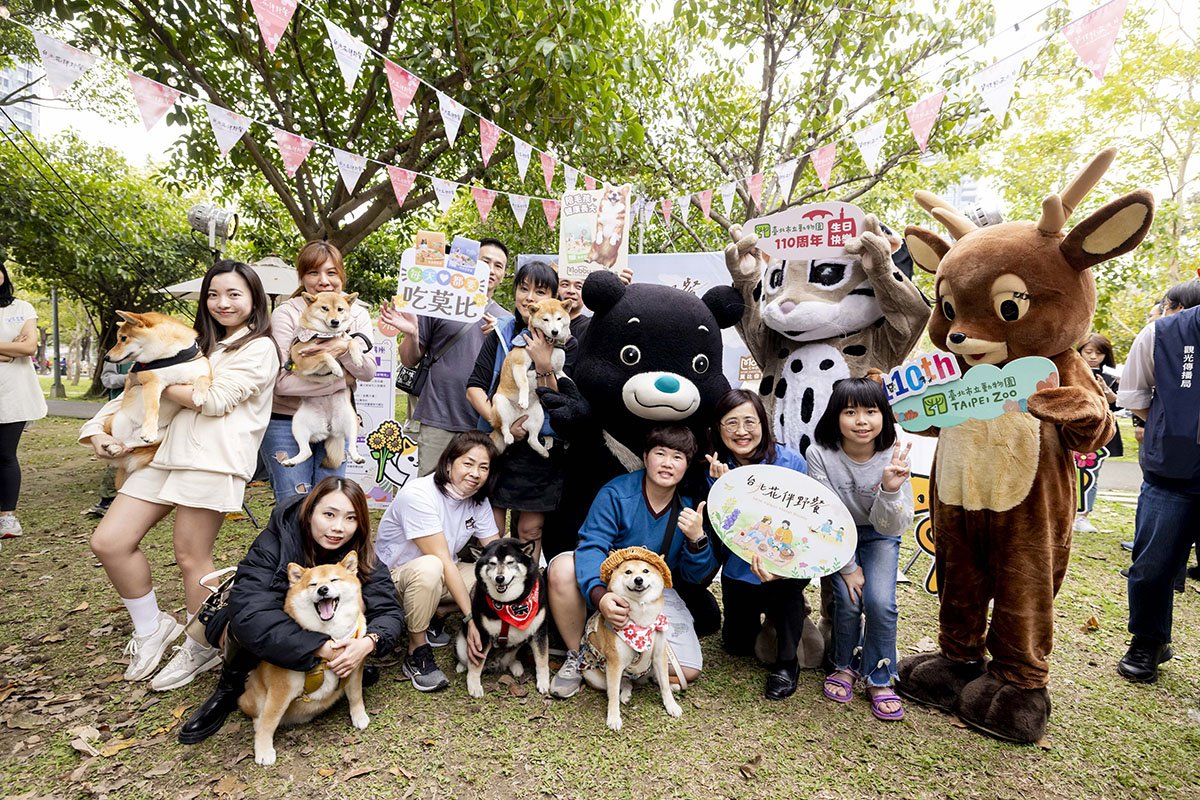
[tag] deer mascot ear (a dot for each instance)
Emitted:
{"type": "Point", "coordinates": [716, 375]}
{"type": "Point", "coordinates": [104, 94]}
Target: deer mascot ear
{"type": "Point", "coordinates": [1114, 230]}
{"type": "Point", "coordinates": [926, 248]}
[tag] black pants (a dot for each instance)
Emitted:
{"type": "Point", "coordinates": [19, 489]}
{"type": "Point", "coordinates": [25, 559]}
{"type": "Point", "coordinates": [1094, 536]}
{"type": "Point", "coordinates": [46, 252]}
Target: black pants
{"type": "Point", "coordinates": [745, 603]}
{"type": "Point", "coordinates": [10, 470]}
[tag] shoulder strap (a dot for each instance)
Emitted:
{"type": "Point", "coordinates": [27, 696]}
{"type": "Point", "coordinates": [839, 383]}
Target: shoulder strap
{"type": "Point", "coordinates": [453, 341]}
{"type": "Point", "coordinates": [672, 523]}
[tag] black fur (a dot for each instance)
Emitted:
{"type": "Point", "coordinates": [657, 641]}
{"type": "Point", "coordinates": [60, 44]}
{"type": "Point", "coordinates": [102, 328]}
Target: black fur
{"type": "Point", "coordinates": [501, 549]}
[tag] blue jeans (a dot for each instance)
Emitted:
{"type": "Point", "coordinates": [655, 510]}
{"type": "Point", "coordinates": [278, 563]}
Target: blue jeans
{"type": "Point", "coordinates": [1162, 538]}
{"type": "Point", "coordinates": [868, 650]}
{"type": "Point", "coordinates": [288, 482]}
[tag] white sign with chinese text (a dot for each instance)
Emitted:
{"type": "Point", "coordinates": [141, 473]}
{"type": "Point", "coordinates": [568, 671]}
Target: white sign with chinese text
{"type": "Point", "coordinates": [816, 230]}
{"type": "Point", "coordinates": [453, 291]}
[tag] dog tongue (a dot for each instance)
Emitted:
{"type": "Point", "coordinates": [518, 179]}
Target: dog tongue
{"type": "Point", "coordinates": [325, 608]}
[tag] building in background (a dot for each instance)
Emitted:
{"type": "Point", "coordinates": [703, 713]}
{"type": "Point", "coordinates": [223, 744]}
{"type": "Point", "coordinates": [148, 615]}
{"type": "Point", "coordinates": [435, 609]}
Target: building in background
{"type": "Point", "coordinates": [25, 114]}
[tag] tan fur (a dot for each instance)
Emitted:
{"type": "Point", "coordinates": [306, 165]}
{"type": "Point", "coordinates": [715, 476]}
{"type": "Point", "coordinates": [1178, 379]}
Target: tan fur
{"type": "Point", "coordinates": [274, 695]}
{"type": "Point", "coordinates": [516, 394]}
{"type": "Point", "coordinates": [999, 482]}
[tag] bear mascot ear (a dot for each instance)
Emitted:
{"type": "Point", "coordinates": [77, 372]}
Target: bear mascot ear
{"type": "Point", "coordinates": [725, 303]}
{"type": "Point", "coordinates": [601, 291]}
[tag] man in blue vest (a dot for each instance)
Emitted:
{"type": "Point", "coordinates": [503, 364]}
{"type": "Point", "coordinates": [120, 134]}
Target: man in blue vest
{"type": "Point", "coordinates": [1160, 384]}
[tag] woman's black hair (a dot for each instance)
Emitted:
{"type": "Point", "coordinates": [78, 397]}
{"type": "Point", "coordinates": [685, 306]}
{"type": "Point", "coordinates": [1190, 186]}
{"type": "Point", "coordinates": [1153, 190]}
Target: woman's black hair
{"type": "Point", "coordinates": [540, 275]}
{"type": "Point", "coordinates": [458, 447]}
{"type": "Point", "coordinates": [7, 294]}
{"type": "Point", "coordinates": [765, 452]}
{"type": "Point", "coordinates": [1183, 296]}
{"type": "Point", "coordinates": [1101, 343]}
{"type": "Point", "coordinates": [676, 437]}
{"type": "Point", "coordinates": [210, 331]}
{"type": "Point", "coordinates": [855, 393]}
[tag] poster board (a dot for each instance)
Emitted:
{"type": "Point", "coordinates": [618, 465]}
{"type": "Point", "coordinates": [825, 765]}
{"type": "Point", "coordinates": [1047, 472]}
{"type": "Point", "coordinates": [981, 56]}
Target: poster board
{"type": "Point", "coordinates": [594, 231]}
{"type": "Point", "coordinates": [453, 288]}
{"type": "Point", "coordinates": [391, 455]}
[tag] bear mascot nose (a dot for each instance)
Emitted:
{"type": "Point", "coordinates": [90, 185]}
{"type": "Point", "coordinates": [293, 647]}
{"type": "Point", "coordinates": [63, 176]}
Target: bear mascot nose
{"type": "Point", "coordinates": [667, 384]}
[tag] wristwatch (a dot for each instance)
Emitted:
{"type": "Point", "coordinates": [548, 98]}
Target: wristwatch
{"type": "Point", "coordinates": [374, 637]}
{"type": "Point", "coordinates": [698, 545]}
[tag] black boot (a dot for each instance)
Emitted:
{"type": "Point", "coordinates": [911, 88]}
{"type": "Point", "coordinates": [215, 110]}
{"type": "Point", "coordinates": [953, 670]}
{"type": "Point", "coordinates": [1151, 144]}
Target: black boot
{"type": "Point", "coordinates": [1141, 661]}
{"type": "Point", "coordinates": [209, 717]}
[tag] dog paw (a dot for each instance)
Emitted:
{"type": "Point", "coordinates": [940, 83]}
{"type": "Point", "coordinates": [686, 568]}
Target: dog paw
{"type": "Point", "coordinates": [475, 688]}
{"type": "Point", "coordinates": [361, 719]}
{"type": "Point", "coordinates": [266, 758]}
{"type": "Point", "coordinates": [674, 709]}
{"type": "Point", "coordinates": [460, 668]}
{"type": "Point", "coordinates": [357, 459]}
{"type": "Point", "coordinates": [517, 669]}
{"type": "Point", "coordinates": [614, 722]}
{"type": "Point", "coordinates": [543, 685]}
{"type": "Point", "coordinates": [149, 437]}
{"type": "Point", "coordinates": [198, 398]}
{"type": "Point", "coordinates": [112, 449]}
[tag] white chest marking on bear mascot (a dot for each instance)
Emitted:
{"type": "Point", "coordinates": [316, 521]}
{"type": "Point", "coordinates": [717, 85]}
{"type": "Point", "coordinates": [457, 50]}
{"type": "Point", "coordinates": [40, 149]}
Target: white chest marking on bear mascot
{"type": "Point", "coordinates": [995, 482]}
{"type": "Point", "coordinates": [660, 396]}
{"type": "Point", "coordinates": [802, 391]}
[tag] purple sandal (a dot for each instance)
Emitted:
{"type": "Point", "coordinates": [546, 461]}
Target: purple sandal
{"type": "Point", "coordinates": [841, 683]}
{"type": "Point", "coordinates": [878, 699]}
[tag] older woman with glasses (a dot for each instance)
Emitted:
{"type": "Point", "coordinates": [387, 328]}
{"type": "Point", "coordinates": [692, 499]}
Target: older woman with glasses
{"type": "Point", "coordinates": [740, 437]}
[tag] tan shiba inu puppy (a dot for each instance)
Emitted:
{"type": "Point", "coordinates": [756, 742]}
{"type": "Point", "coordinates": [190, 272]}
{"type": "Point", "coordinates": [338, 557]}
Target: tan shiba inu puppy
{"type": "Point", "coordinates": [331, 418]}
{"type": "Point", "coordinates": [326, 599]}
{"type": "Point", "coordinates": [165, 353]}
{"type": "Point", "coordinates": [515, 396]}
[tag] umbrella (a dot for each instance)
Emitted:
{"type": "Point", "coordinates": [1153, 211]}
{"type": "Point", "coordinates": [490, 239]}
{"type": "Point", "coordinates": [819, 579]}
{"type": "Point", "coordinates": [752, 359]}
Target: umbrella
{"type": "Point", "coordinates": [278, 280]}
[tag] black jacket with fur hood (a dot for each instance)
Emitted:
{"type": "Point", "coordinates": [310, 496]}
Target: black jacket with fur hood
{"type": "Point", "coordinates": [258, 620]}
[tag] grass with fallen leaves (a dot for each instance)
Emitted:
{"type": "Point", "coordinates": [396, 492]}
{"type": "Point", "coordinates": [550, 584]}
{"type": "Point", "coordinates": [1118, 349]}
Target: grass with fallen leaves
{"type": "Point", "coordinates": [70, 727]}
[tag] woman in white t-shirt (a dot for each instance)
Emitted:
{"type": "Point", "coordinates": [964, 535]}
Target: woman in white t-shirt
{"type": "Point", "coordinates": [21, 397]}
{"type": "Point", "coordinates": [420, 535]}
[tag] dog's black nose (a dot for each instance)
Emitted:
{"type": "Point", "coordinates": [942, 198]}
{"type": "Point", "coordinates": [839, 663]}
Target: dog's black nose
{"type": "Point", "coordinates": [333, 323]}
{"type": "Point", "coordinates": [638, 581]}
{"type": "Point", "coordinates": [958, 338]}
{"type": "Point", "coordinates": [322, 591]}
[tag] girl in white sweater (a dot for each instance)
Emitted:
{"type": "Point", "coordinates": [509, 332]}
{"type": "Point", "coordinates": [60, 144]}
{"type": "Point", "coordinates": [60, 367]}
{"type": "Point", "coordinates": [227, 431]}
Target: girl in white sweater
{"type": "Point", "coordinates": [206, 455]}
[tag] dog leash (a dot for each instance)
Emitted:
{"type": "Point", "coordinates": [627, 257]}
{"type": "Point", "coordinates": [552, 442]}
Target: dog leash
{"type": "Point", "coordinates": [182, 357]}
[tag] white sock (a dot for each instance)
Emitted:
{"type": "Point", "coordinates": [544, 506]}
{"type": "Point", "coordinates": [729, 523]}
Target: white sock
{"type": "Point", "coordinates": [145, 613]}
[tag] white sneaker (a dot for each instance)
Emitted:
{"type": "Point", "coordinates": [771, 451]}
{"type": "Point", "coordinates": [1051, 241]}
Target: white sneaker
{"type": "Point", "coordinates": [1083, 525]}
{"type": "Point", "coordinates": [146, 651]}
{"type": "Point", "coordinates": [10, 527]}
{"type": "Point", "coordinates": [190, 659]}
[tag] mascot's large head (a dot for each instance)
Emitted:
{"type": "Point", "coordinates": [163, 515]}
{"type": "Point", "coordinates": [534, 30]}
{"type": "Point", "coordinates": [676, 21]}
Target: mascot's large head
{"type": "Point", "coordinates": [652, 354]}
{"type": "Point", "coordinates": [808, 301]}
{"type": "Point", "coordinates": [1024, 288]}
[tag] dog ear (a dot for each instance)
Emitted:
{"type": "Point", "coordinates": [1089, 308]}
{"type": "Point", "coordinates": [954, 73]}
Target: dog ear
{"type": "Point", "coordinates": [528, 547]}
{"type": "Point", "coordinates": [295, 573]}
{"type": "Point", "coordinates": [131, 318]}
{"type": "Point", "coordinates": [349, 561]}
{"type": "Point", "coordinates": [350, 298]}
{"type": "Point", "coordinates": [309, 298]}
{"type": "Point", "coordinates": [474, 549]}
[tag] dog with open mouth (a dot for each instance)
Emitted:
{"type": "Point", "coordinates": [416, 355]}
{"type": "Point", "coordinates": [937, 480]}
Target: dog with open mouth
{"type": "Point", "coordinates": [326, 599]}
{"type": "Point", "coordinates": [508, 605]}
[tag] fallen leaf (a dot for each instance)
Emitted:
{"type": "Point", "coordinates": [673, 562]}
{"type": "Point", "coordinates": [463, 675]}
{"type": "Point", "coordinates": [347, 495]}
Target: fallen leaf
{"type": "Point", "coordinates": [85, 732]}
{"type": "Point", "coordinates": [98, 661]}
{"type": "Point", "coordinates": [506, 680]}
{"type": "Point", "coordinates": [116, 676]}
{"type": "Point", "coordinates": [23, 721]}
{"type": "Point", "coordinates": [750, 768]}
{"type": "Point", "coordinates": [1044, 743]}
{"type": "Point", "coordinates": [112, 748]}
{"type": "Point", "coordinates": [177, 711]}
{"type": "Point", "coordinates": [925, 645]}
{"type": "Point", "coordinates": [958, 723]}
{"type": "Point", "coordinates": [517, 690]}
{"type": "Point", "coordinates": [398, 771]}
{"type": "Point", "coordinates": [50, 638]}
{"type": "Point", "coordinates": [85, 747]}
{"type": "Point", "coordinates": [229, 784]}
{"type": "Point", "coordinates": [358, 773]}
{"type": "Point", "coordinates": [6, 692]}
{"type": "Point", "coordinates": [1092, 624]}
{"type": "Point", "coordinates": [162, 769]}
{"type": "Point", "coordinates": [412, 787]}
{"type": "Point", "coordinates": [77, 774]}
{"type": "Point", "coordinates": [81, 607]}
{"type": "Point", "coordinates": [327, 772]}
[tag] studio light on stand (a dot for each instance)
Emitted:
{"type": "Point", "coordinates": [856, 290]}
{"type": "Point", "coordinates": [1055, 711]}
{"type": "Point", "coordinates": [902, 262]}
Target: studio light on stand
{"type": "Point", "coordinates": [218, 224]}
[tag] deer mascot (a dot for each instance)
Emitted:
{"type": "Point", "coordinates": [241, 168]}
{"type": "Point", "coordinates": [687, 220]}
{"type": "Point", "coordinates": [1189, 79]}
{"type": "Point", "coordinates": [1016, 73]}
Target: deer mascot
{"type": "Point", "coordinates": [1003, 490]}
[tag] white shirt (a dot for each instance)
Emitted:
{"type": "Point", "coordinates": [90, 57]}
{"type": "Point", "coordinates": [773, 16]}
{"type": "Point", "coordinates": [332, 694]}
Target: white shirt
{"type": "Point", "coordinates": [1137, 379]}
{"type": "Point", "coordinates": [420, 510]}
{"type": "Point", "coordinates": [21, 397]}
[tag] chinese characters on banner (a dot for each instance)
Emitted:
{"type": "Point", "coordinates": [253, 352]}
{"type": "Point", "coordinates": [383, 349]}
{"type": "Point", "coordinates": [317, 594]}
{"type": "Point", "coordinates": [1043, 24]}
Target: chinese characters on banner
{"type": "Point", "coordinates": [432, 284]}
{"type": "Point", "coordinates": [594, 231]}
{"type": "Point", "coordinates": [817, 230]}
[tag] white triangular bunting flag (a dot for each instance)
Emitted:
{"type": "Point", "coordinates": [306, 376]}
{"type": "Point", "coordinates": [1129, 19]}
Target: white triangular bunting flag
{"type": "Point", "coordinates": [922, 115]}
{"type": "Point", "coordinates": [522, 152]}
{"type": "Point", "coordinates": [403, 85]}
{"type": "Point", "coordinates": [648, 210]}
{"type": "Point", "coordinates": [351, 166]}
{"type": "Point", "coordinates": [728, 190]}
{"type": "Point", "coordinates": [293, 150]}
{"type": "Point", "coordinates": [227, 126]}
{"type": "Point", "coordinates": [402, 183]}
{"type": "Point", "coordinates": [520, 206]}
{"type": "Point", "coordinates": [273, 17]}
{"type": "Point", "coordinates": [684, 206]}
{"type": "Point", "coordinates": [489, 135]}
{"type": "Point", "coordinates": [452, 115]}
{"type": "Point", "coordinates": [349, 52]}
{"type": "Point", "coordinates": [153, 98]}
{"type": "Point", "coordinates": [484, 199]}
{"type": "Point", "coordinates": [570, 176]}
{"type": "Point", "coordinates": [785, 173]}
{"type": "Point", "coordinates": [870, 141]}
{"type": "Point", "coordinates": [1094, 35]}
{"type": "Point", "coordinates": [62, 62]}
{"type": "Point", "coordinates": [822, 161]}
{"type": "Point", "coordinates": [705, 198]}
{"type": "Point", "coordinates": [550, 209]}
{"type": "Point", "coordinates": [445, 191]}
{"type": "Point", "coordinates": [996, 83]}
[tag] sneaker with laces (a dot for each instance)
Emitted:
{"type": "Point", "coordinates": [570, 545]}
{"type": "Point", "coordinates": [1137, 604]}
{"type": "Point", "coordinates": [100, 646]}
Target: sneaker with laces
{"type": "Point", "coordinates": [436, 635]}
{"type": "Point", "coordinates": [10, 527]}
{"type": "Point", "coordinates": [190, 659]}
{"type": "Point", "coordinates": [420, 667]}
{"type": "Point", "coordinates": [146, 651]}
{"type": "Point", "coordinates": [1083, 525]}
{"type": "Point", "coordinates": [568, 679]}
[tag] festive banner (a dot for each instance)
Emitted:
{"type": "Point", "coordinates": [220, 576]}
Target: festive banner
{"type": "Point", "coordinates": [489, 135]}
{"type": "Point", "coordinates": [811, 231]}
{"type": "Point", "coordinates": [402, 183]}
{"type": "Point", "coordinates": [754, 185]}
{"type": "Point", "coordinates": [1094, 35]}
{"type": "Point", "coordinates": [153, 98]}
{"type": "Point", "coordinates": [870, 141]}
{"type": "Point", "coordinates": [647, 212]}
{"type": "Point", "coordinates": [273, 18]}
{"type": "Point", "coordinates": [348, 51]}
{"type": "Point", "coordinates": [484, 199]}
{"type": "Point", "coordinates": [589, 182]}
{"type": "Point", "coordinates": [684, 204]}
{"type": "Point", "coordinates": [522, 150]}
{"type": "Point", "coordinates": [393, 454]}
{"type": "Point", "coordinates": [984, 392]}
{"type": "Point", "coordinates": [452, 115]}
{"type": "Point", "coordinates": [445, 191]}
{"type": "Point", "coordinates": [547, 168]}
{"type": "Point", "coordinates": [594, 231]}
{"type": "Point", "coordinates": [432, 284]}
{"type": "Point", "coordinates": [785, 173]}
{"type": "Point", "coordinates": [520, 206]}
{"type": "Point", "coordinates": [822, 161]}
{"type": "Point", "coordinates": [351, 166]}
{"type": "Point", "coordinates": [705, 198]}
{"type": "Point", "coordinates": [550, 209]}
{"type": "Point", "coordinates": [62, 62]}
{"type": "Point", "coordinates": [227, 126]}
{"type": "Point", "coordinates": [570, 177]}
{"type": "Point", "coordinates": [403, 85]}
{"type": "Point", "coordinates": [293, 149]}
{"type": "Point", "coordinates": [996, 83]}
{"type": "Point", "coordinates": [728, 190]}
{"type": "Point", "coordinates": [666, 211]}
{"type": "Point", "coordinates": [921, 116]}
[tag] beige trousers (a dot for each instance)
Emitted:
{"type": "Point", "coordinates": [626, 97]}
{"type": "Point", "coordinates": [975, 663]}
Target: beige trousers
{"type": "Point", "coordinates": [421, 585]}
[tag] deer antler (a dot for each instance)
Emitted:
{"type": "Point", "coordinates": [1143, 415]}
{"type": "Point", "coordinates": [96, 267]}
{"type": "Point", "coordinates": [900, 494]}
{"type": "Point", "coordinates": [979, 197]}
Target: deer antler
{"type": "Point", "coordinates": [1057, 208]}
{"type": "Point", "coordinates": [958, 225]}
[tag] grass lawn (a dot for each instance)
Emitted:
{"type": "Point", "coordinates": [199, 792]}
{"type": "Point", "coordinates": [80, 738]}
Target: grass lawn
{"type": "Point", "coordinates": [62, 632]}
{"type": "Point", "coordinates": [76, 392]}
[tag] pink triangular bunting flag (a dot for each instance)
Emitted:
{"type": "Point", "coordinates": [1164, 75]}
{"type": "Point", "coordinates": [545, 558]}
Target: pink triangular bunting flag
{"type": "Point", "coordinates": [484, 199]}
{"type": "Point", "coordinates": [402, 183]}
{"type": "Point", "coordinates": [547, 170]}
{"type": "Point", "coordinates": [403, 85]}
{"type": "Point", "coordinates": [922, 115]}
{"type": "Point", "coordinates": [153, 98]}
{"type": "Point", "coordinates": [822, 161]}
{"type": "Point", "coordinates": [666, 210]}
{"type": "Point", "coordinates": [489, 135]}
{"type": "Point", "coordinates": [273, 17]}
{"type": "Point", "coordinates": [589, 183]}
{"type": "Point", "coordinates": [1094, 35]}
{"type": "Point", "coordinates": [705, 199]}
{"type": "Point", "coordinates": [754, 185]}
{"type": "Point", "coordinates": [293, 149]}
{"type": "Point", "coordinates": [550, 208]}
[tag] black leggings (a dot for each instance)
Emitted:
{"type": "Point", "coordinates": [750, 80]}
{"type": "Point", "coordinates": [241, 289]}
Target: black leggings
{"type": "Point", "coordinates": [745, 603]}
{"type": "Point", "coordinates": [10, 470]}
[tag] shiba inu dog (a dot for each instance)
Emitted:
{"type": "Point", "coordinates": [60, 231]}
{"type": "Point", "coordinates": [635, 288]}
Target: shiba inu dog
{"type": "Point", "coordinates": [331, 418]}
{"type": "Point", "coordinates": [326, 599]}
{"type": "Point", "coordinates": [639, 576]}
{"type": "Point", "coordinates": [508, 604]}
{"type": "Point", "coordinates": [165, 353]}
{"type": "Point", "coordinates": [514, 396]}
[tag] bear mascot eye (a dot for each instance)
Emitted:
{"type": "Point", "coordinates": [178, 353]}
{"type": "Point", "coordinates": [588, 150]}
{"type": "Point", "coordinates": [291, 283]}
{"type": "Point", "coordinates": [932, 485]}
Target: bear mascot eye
{"type": "Point", "coordinates": [700, 363]}
{"type": "Point", "coordinates": [630, 355]}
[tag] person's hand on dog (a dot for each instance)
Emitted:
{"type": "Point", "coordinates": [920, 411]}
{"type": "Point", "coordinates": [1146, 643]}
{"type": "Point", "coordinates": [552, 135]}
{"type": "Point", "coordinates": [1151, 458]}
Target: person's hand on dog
{"type": "Point", "coordinates": [716, 467]}
{"type": "Point", "coordinates": [107, 447]}
{"type": "Point", "coordinates": [518, 428]}
{"type": "Point", "coordinates": [615, 609]}
{"type": "Point", "coordinates": [691, 522]}
{"type": "Point", "coordinates": [335, 346]}
{"type": "Point", "coordinates": [403, 321]}
{"type": "Point", "coordinates": [540, 350]}
{"type": "Point", "coordinates": [854, 583]}
{"type": "Point", "coordinates": [474, 644]}
{"type": "Point", "coordinates": [896, 473]}
{"type": "Point", "coordinates": [350, 655]}
{"type": "Point", "coordinates": [756, 566]}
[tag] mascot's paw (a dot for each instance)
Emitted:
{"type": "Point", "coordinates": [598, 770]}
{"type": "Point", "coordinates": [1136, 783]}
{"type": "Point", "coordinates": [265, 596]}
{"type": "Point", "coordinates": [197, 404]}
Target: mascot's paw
{"type": "Point", "coordinates": [934, 680]}
{"type": "Point", "coordinates": [1002, 710]}
{"type": "Point", "coordinates": [810, 653]}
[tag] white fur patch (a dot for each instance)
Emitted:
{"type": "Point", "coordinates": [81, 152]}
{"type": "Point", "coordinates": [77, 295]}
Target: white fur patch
{"type": "Point", "coordinates": [791, 421]}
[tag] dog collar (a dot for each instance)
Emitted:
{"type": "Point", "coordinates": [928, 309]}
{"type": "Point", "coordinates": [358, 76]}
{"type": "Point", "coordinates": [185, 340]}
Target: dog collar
{"type": "Point", "coordinates": [181, 357]}
{"type": "Point", "coordinates": [641, 637]}
{"type": "Point", "coordinates": [519, 613]}
{"type": "Point", "coordinates": [306, 334]}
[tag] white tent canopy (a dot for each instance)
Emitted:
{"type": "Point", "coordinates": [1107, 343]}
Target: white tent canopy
{"type": "Point", "coordinates": [278, 280]}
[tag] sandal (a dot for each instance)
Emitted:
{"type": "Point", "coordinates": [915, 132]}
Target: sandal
{"type": "Point", "coordinates": [842, 683]}
{"type": "Point", "coordinates": [879, 698]}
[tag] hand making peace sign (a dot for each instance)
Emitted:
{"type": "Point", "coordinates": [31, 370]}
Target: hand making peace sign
{"type": "Point", "coordinates": [896, 472]}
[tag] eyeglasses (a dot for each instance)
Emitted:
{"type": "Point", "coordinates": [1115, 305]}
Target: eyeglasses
{"type": "Point", "coordinates": [733, 425]}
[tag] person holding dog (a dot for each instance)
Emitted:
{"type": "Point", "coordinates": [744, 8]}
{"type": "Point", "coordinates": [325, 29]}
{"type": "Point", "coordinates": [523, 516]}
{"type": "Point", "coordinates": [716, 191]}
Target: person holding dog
{"type": "Point", "coordinates": [430, 520]}
{"type": "Point", "coordinates": [21, 398]}
{"type": "Point", "coordinates": [200, 470]}
{"type": "Point", "coordinates": [741, 435]}
{"type": "Point", "coordinates": [320, 268]}
{"type": "Point", "coordinates": [643, 508]}
{"type": "Point", "coordinates": [320, 527]}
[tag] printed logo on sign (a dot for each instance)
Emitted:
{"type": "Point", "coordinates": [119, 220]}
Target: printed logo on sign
{"type": "Point", "coordinates": [762, 231]}
{"type": "Point", "coordinates": [935, 404]}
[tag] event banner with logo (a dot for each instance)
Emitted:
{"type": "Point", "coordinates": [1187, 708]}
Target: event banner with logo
{"type": "Point", "coordinates": [391, 455]}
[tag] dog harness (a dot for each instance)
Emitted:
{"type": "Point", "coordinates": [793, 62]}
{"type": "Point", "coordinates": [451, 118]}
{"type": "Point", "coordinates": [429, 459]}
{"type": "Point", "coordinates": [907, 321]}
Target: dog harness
{"type": "Point", "coordinates": [182, 357]}
{"type": "Point", "coordinates": [315, 678]}
{"type": "Point", "coordinates": [590, 656]}
{"type": "Point", "coordinates": [518, 613]}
